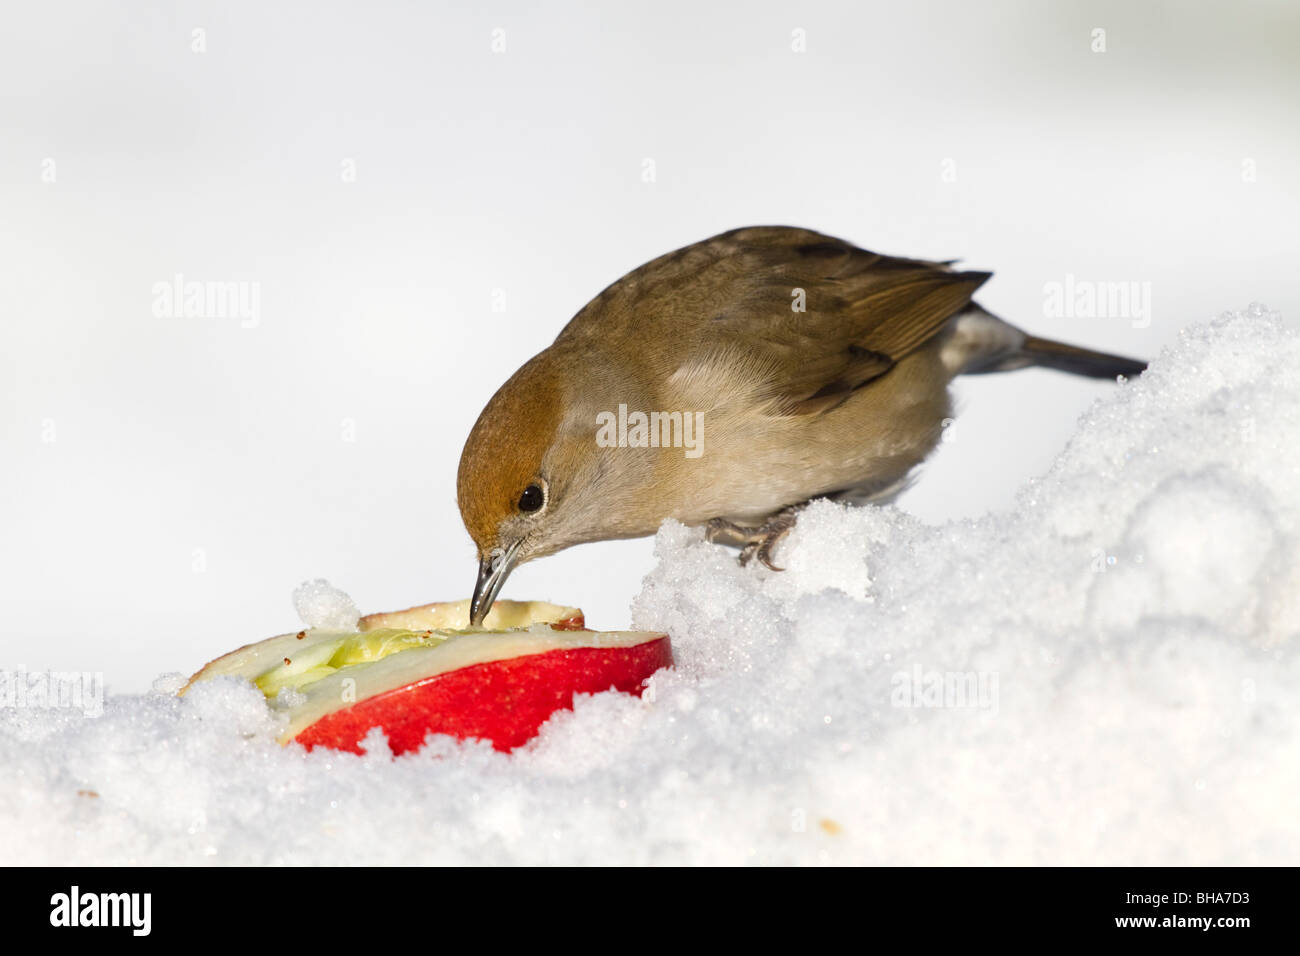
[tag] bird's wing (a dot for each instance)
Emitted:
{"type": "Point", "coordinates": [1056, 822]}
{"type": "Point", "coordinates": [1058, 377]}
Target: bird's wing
{"type": "Point", "coordinates": [735, 300]}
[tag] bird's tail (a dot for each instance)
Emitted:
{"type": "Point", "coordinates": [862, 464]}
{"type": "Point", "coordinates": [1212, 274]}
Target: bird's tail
{"type": "Point", "coordinates": [1047, 353]}
{"type": "Point", "coordinates": [977, 341]}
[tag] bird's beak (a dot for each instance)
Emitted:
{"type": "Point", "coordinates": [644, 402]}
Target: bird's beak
{"type": "Point", "coordinates": [492, 573]}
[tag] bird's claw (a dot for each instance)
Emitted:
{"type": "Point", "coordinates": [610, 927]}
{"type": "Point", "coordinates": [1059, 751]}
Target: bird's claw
{"type": "Point", "coordinates": [758, 549]}
{"type": "Point", "coordinates": [755, 542]}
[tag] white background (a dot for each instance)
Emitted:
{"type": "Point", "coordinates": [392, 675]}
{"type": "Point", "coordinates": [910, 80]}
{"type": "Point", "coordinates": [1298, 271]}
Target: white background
{"type": "Point", "coordinates": [198, 470]}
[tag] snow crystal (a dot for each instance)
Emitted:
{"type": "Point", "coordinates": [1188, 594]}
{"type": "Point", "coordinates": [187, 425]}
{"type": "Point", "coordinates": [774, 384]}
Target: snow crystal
{"type": "Point", "coordinates": [1104, 674]}
{"type": "Point", "coordinates": [320, 604]}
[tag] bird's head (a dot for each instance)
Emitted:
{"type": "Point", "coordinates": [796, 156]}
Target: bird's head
{"type": "Point", "coordinates": [532, 480]}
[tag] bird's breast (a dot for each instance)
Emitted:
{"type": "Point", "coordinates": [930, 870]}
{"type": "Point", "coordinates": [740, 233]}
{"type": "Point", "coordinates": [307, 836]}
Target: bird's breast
{"type": "Point", "coordinates": [748, 462]}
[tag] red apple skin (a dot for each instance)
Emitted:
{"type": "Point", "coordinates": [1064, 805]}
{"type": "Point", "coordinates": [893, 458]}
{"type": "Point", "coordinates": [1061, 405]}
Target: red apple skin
{"type": "Point", "coordinates": [505, 702]}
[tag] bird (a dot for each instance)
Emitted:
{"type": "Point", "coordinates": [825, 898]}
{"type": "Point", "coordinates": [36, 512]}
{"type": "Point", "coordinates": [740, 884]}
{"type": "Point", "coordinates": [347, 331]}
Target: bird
{"type": "Point", "coordinates": [726, 384]}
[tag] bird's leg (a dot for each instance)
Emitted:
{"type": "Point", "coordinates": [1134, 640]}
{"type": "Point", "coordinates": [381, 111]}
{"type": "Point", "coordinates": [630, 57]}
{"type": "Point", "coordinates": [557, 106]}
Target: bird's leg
{"type": "Point", "coordinates": [773, 530]}
{"type": "Point", "coordinates": [722, 531]}
{"type": "Point", "coordinates": [755, 542]}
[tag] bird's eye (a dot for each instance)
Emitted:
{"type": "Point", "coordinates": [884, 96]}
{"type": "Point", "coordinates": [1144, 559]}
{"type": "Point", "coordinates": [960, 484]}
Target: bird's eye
{"type": "Point", "coordinates": [531, 499]}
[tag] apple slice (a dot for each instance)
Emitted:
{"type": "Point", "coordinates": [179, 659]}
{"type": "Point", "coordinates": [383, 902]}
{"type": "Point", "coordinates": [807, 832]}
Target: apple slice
{"type": "Point", "coordinates": [424, 671]}
{"type": "Point", "coordinates": [504, 615]}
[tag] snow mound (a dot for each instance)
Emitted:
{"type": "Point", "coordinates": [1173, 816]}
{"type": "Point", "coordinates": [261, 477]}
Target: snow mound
{"type": "Point", "coordinates": [321, 604]}
{"type": "Point", "coordinates": [1105, 674]}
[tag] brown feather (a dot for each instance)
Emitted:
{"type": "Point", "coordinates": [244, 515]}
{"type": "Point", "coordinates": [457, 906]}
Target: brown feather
{"type": "Point", "coordinates": [731, 297]}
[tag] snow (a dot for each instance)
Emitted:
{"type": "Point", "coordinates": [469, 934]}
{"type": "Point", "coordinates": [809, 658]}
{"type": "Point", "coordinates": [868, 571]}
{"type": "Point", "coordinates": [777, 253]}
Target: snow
{"type": "Point", "coordinates": [321, 604]}
{"type": "Point", "coordinates": [1104, 674]}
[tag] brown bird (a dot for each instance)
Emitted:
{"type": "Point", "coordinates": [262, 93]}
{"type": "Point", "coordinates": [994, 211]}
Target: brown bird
{"type": "Point", "coordinates": [726, 384]}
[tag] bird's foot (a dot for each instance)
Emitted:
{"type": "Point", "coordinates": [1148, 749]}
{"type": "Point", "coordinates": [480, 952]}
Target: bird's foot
{"type": "Point", "coordinates": [722, 531]}
{"type": "Point", "coordinates": [769, 535]}
{"type": "Point", "coordinates": [757, 542]}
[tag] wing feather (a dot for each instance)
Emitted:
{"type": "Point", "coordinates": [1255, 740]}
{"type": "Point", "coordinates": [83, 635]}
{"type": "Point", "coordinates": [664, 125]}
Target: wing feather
{"type": "Point", "coordinates": [734, 296]}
